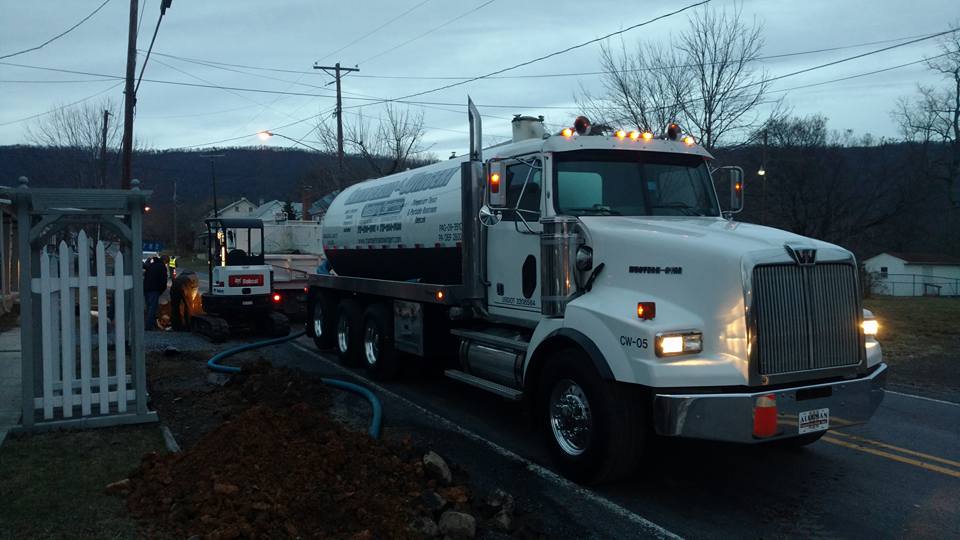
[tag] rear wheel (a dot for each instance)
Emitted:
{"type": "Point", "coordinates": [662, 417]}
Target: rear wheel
{"type": "Point", "coordinates": [349, 332]}
{"type": "Point", "coordinates": [379, 354]}
{"type": "Point", "coordinates": [323, 322]}
{"type": "Point", "coordinates": [593, 428]}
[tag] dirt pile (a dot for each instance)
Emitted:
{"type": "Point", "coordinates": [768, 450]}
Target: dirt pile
{"type": "Point", "coordinates": [264, 460]}
{"type": "Point", "coordinates": [272, 472]}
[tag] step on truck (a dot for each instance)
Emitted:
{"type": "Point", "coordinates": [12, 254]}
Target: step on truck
{"type": "Point", "coordinates": [595, 276]}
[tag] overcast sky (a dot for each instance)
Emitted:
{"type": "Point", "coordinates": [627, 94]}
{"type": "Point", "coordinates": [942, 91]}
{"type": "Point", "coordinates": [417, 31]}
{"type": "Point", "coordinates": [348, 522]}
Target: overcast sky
{"type": "Point", "coordinates": [294, 34]}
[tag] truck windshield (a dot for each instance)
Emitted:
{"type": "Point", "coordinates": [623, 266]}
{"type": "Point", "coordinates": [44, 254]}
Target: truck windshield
{"type": "Point", "coordinates": [614, 183]}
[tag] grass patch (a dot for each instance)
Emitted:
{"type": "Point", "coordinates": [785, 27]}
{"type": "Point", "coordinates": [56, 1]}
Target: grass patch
{"type": "Point", "coordinates": [921, 326]}
{"type": "Point", "coordinates": [52, 484]}
{"type": "Point", "coordinates": [920, 337]}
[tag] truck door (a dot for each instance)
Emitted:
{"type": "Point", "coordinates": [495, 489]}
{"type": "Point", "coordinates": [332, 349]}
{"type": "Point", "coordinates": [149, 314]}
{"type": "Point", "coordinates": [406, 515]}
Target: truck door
{"type": "Point", "coordinates": [513, 244]}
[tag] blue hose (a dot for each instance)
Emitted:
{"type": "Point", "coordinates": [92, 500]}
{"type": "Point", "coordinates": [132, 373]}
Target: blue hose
{"type": "Point", "coordinates": [375, 422]}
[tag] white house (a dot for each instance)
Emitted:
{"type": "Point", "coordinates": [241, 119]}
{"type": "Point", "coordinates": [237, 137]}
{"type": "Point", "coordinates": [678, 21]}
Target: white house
{"type": "Point", "coordinates": [240, 208]}
{"type": "Point", "coordinates": [273, 211]}
{"type": "Point", "coordinates": [914, 274]}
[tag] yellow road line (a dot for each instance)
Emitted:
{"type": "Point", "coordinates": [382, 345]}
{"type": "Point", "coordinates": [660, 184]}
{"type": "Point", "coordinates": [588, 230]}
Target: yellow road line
{"type": "Point", "coordinates": [909, 461]}
{"type": "Point", "coordinates": [896, 448]}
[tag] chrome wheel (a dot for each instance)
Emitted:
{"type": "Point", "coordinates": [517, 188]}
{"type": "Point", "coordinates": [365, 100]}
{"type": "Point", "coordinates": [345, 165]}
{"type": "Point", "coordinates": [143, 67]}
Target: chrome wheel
{"type": "Point", "coordinates": [343, 335]}
{"type": "Point", "coordinates": [570, 418]}
{"type": "Point", "coordinates": [318, 321]}
{"type": "Point", "coordinates": [371, 345]}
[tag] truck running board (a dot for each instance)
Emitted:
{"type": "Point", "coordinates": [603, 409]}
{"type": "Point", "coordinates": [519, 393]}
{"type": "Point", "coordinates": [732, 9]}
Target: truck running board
{"type": "Point", "coordinates": [510, 393]}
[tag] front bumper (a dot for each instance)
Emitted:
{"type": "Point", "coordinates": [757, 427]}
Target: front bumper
{"type": "Point", "coordinates": [729, 417]}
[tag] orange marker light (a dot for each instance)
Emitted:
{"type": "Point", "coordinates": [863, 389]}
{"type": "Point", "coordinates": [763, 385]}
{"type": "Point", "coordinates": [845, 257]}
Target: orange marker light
{"type": "Point", "coordinates": [647, 136]}
{"type": "Point", "coordinates": [495, 183]}
{"type": "Point", "coordinates": [646, 310]}
{"type": "Point", "coordinates": [737, 186]}
{"type": "Point", "coordinates": [688, 140]}
{"type": "Point", "coordinates": [634, 135]}
{"type": "Point", "coordinates": [621, 134]}
{"type": "Point", "coordinates": [440, 295]}
{"type": "Point", "coordinates": [567, 132]}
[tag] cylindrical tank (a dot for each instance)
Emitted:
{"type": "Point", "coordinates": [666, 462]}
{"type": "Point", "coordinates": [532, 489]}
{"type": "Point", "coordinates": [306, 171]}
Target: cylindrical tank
{"type": "Point", "coordinates": [404, 227]}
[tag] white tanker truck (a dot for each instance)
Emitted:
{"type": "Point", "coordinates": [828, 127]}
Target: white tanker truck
{"type": "Point", "coordinates": [595, 277]}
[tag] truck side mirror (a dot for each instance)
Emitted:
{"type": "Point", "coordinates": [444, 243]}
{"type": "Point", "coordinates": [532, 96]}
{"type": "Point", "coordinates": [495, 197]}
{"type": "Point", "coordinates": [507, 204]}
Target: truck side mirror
{"type": "Point", "coordinates": [487, 217]}
{"type": "Point", "coordinates": [734, 176]}
{"type": "Point", "coordinates": [496, 191]}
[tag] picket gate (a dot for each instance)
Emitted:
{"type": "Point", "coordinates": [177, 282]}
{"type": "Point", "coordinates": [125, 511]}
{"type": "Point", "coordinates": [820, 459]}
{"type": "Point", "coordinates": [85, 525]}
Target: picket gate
{"type": "Point", "coordinates": [67, 346]}
{"type": "Point", "coordinates": [81, 329]}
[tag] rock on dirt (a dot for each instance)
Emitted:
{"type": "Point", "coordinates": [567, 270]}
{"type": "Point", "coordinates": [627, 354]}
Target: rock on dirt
{"type": "Point", "coordinates": [458, 524]}
{"type": "Point", "coordinates": [425, 527]}
{"type": "Point", "coordinates": [437, 467]}
{"type": "Point", "coordinates": [120, 487]}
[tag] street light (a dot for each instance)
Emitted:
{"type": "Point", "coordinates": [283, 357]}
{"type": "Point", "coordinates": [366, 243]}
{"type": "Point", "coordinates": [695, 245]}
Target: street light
{"type": "Point", "coordinates": [266, 134]}
{"type": "Point", "coordinates": [761, 172]}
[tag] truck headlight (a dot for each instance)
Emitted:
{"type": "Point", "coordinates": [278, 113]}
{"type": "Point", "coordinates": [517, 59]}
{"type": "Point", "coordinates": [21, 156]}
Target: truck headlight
{"type": "Point", "coordinates": [674, 343]}
{"type": "Point", "coordinates": [870, 327]}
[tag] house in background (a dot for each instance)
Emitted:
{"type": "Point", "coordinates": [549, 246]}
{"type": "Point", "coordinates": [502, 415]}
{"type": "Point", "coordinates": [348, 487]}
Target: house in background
{"type": "Point", "coordinates": [272, 211]}
{"type": "Point", "coordinates": [241, 208]}
{"type": "Point", "coordinates": [913, 274]}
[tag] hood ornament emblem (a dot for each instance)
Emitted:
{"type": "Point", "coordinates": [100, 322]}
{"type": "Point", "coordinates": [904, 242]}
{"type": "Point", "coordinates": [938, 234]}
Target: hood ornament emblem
{"type": "Point", "coordinates": [804, 256]}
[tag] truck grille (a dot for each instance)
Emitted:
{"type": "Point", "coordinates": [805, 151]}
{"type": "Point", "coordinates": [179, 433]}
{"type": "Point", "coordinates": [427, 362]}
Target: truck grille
{"type": "Point", "coordinates": [806, 317]}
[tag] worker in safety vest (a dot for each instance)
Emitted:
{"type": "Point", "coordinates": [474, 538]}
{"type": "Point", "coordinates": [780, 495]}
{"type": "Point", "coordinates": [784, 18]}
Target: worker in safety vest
{"type": "Point", "coordinates": [172, 264]}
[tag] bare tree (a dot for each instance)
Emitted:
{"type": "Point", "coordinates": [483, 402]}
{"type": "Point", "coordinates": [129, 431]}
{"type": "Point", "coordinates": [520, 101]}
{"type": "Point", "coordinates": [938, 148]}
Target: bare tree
{"type": "Point", "coordinates": [707, 79]}
{"type": "Point", "coordinates": [641, 89]}
{"type": "Point", "coordinates": [387, 144]}
{"type": "Point", "coordinates": [78, 131]}
{"type": "Point", "coordinates": [933, 115]}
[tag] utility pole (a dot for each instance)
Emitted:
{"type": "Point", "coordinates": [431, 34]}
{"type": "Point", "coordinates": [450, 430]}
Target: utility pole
{"type": "Point", "coordinates": [103, 149]}
{"type": "Point", "coordinates": [213, 180]}
{"type": "Point", "coordinates": [336, 75]}
{"type": "Point", "coordinates": [129, 98]}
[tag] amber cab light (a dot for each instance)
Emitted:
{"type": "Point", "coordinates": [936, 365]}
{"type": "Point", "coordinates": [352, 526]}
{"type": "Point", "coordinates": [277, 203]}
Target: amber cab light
{"type": "Point", "coordinates": [621, 134]}
{"type": "Point", "coordinates": [495, 183]}
{"type": "Point", "coordinates": [646, 310]}
{"type": "Point", "coordinates": [567, 132]}
{"type": "Point", "coordinates": [647, 136]}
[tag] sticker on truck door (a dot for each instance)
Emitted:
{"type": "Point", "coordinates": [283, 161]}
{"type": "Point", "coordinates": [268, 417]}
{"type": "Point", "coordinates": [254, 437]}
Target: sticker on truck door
{"type": "Point", "coordinates": [815, 420]}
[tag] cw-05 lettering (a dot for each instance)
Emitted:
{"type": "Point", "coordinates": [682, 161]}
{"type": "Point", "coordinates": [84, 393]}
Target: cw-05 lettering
{"type": "Point", "coordinates": [630, 341]}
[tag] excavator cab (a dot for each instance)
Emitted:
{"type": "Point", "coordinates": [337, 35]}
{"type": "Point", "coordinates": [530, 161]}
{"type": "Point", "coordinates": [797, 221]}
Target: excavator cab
{"type": "Point", "coordinates": [239, 294]}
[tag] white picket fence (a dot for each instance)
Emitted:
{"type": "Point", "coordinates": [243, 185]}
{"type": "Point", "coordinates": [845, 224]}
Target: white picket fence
{"type": "Point", "coordinates": [64, 284]}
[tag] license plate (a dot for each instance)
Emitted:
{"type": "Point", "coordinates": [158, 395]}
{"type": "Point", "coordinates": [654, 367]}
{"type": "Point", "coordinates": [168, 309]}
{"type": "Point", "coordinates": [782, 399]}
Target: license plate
{"type": "Point", "coordinates": [815, 420]}
{"type": "Point", "coordinates": [250, 303]}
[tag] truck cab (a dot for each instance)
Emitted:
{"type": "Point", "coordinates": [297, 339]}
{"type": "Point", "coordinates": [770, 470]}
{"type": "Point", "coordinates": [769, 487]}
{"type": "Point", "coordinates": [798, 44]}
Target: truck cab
{"type": "Point", "coordinates": [601, 281]}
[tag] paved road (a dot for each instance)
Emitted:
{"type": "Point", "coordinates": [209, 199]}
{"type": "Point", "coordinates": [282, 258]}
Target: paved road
{"type": "Point", "coordinates": [898, 476]}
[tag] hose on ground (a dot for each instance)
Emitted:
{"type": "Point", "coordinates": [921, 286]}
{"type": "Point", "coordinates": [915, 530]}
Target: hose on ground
{"type": "Point", "coordinates": [375, 422]}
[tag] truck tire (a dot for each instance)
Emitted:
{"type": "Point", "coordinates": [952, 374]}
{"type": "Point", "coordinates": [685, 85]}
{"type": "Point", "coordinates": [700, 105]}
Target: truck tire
{"type": "Point", "coordinates": [323, 322]}
{"type": "Point", "coordinates": [349, 332]}
{"type": "Point", "coordinates": [379, 355]}
{"type": "Point", "coordinates": [593, 429]}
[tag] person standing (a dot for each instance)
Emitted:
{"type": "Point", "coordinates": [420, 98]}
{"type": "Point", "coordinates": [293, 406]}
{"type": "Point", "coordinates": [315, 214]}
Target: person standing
{"type": "Point", "coordinates": [154, 283]}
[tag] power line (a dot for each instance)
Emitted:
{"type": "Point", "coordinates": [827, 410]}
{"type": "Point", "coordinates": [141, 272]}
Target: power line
{"type": "Point", "coordinates": [430, 31]}
{"type": "Point", "coordinates": [60, 35]}
{"type": "Point", "coordinates": [48, 81]}
{"type": "Point", "coordinates": [220, 65]}
{"type": "Point", "coordinates": [405, 100]}
{"type": "Point", "coordinates": [60, 108]}
{"type": "Point", "coordinates": [555, 53]}
{"type": "Point", "coordinates": [374, 31]}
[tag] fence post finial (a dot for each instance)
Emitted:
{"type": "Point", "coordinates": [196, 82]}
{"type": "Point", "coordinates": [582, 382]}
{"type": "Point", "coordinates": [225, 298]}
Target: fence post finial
{"type": "Point", "coordinates": [135, 185]}
{"type": "Point", "coordinates": [24, 181]}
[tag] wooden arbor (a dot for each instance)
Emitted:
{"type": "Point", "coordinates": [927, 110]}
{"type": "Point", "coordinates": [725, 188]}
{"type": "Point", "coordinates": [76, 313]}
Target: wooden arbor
{"type": "Point", "coordinates": [80, 256]}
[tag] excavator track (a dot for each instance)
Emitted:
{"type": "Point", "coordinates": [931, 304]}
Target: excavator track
{"type": "Point", "coordinates": [213, 328]}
